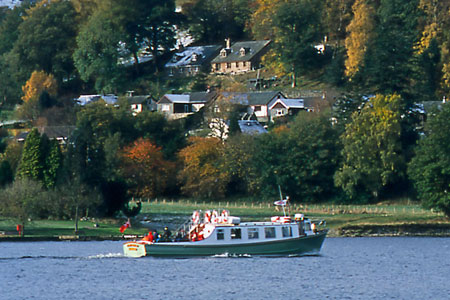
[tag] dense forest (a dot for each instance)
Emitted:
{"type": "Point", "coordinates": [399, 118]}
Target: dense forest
{"type": "Point", "coordinates": [384, 56]}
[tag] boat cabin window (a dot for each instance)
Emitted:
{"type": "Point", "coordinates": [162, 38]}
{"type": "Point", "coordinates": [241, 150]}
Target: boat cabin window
{"type": "Point", "coordinates": [235, 233]}
{"type": "Point", "coordinates": [253, 233]}
{"type": "Point", "coordinates": [307, 226]}
{"type": "Point", "coordinates": [269, 232]}
{"type": "Point", "coordinates": [220, 234]}
{"type": "Point", "coordinates": [287, 231]}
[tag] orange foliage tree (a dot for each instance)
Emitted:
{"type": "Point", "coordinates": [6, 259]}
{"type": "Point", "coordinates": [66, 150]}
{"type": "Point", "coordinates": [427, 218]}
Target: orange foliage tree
{"type": "Point", "coordinates": [145, 168]}
{"type": "Point", "coordinates": [201, 175]}
{"type": "Point", "coordinates": [38, 83]}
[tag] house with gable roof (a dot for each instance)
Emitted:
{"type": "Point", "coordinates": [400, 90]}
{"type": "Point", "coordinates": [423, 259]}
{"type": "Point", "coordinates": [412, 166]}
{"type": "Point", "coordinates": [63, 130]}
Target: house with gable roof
{"type": "Point", "coordinates": [140, 103]}
{"type": "Point", "coordinates": [176, 106]}
{"type": "Point", "coordinates": [240, 57]}
{"type": "Point", "coordinates": [291, 106]}
{"type": "Point", "coordinates": [257, 102]}
{"type": "Point", "coordinates": [190, 61]}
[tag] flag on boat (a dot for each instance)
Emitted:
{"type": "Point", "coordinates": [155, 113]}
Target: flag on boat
{"type": "Point", "coordinates": [281, 202]}
{"type": "Point", "coordinates": [124, 226]}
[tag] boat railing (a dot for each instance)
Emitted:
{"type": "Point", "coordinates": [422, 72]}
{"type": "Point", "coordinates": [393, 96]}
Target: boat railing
{"type": "Point", "coordinates": [185, 226]}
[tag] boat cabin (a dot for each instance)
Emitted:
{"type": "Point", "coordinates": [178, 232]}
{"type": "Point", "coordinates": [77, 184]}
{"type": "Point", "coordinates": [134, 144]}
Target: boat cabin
{"type": "Point", "coordinates": [230, 230]}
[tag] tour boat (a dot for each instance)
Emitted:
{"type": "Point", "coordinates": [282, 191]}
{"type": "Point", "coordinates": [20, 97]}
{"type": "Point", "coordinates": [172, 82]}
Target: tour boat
{"type": "Point", "coordinates": [213, 234]}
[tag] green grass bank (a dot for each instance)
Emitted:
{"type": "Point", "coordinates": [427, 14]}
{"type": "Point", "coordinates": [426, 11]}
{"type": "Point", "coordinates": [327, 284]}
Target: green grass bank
{"type": "Point", "coordinates": [343, 220]}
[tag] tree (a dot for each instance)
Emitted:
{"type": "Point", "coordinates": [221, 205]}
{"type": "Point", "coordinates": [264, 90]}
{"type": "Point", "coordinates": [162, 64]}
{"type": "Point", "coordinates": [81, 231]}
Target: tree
{"type": "Point", "coordinates": [212, 21]}
{"type": "Point", "coordinates": [262, 23]}
{"type": "Point", "coordinates": [169, 135]}
{"type": "Point", "coordinates": [9, 27]}
{"type": "Point", "coordinates": [39, 84]}
{"type": "Point", "coordinates": [152, 26]}
{"type": "Point", "coordinates": [98, 52]}
{"type": "Point", "coordinates": [22, 200]}
{"type": "Point", "coordinates": [32, 161]}
{"type": "Point", "coordinates": [238, 162]}
{"type": "Point", "coordinates": [6, 173]}
{"type": "Point", "coordinates": [430, 168]}
{"type": "Point", "coordinates": [372, 150]}
{"type": "Point", "coordinates": [360, 33]}
{"type": "Point", "coordinates": [46, 39]}
{"type": "Point", "coordinates": [301, 159]}
{"type": "Point", "coordinates": [338, 15]}
{"type": "Point", "coordinates": [53, 164]}
{"type": "Point", "coordinates": [388, 62]}
{"type": "Point", "coordinates": [200, 175]}
{"type": "Point", "coordinates": [298, 30]}
{"type": "Point", "coordinates": [145, 168]}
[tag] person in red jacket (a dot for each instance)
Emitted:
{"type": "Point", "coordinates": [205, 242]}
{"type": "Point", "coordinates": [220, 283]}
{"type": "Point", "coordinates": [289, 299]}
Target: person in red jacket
{"type": "Point", "coordinates": [148, 237]}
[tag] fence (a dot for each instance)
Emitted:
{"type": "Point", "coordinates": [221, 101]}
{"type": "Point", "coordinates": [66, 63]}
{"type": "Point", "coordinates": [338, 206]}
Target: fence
{"type": "Point", "coordinates": [267, 207]}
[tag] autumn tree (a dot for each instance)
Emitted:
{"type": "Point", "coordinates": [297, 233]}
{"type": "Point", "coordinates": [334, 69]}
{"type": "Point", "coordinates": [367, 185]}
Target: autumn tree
{"type": "Point", "coordinates": [372, 150]}
{"type": "Point", "coordinates": [200, 175]}
{"type": "Point", "coordinates": [39, 84]}
{"type": "Point", "coordinates": [145, 168]}
{"type": "Point", "coordinates": [262, 23]}
{"type": "Point", "coordinates": [360, 33]}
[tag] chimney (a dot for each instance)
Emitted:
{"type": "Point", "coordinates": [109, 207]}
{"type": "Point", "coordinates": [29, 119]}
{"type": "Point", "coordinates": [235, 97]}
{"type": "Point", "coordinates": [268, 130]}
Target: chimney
{"type": "Point", "coordinates": [228, 43]}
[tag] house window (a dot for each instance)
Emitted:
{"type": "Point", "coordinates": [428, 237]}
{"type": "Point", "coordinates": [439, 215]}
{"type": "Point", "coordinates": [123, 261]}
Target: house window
{"type": "Point", "coordinates": [253, 233]}
{"type": "Point", "coordinates": [236, 234]}
{"type": "Point", "coordinates": [217, 67]}
{"type": "Point", "coordinates": [280, 112]}
{"type": "Point", "coordinates": [257, 108]}
{"type": "Point", "coordinates": [244, 63]}
{"type": "Point", "coordinates": [186, 108]}
{"type": "Point", "coordinates": [269, 232]}
{"type": "Point", "coordinates": [220, 234]}
{"type": "Point", "coordinates": [223, 53]}
{"type": "Point", "coordinates": [287, 231]}
{"type": "Point", "coordinates": [242, 51]}
{"type": "Point", "coordinates": [165, 107]}
{"type": "Point", "coordinates": [228, 65]}
{"type": "Point", "coordinates": [237, 64]}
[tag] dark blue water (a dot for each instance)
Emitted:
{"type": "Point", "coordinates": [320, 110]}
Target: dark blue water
{"type": "Point", "coordinates": [348, 268]}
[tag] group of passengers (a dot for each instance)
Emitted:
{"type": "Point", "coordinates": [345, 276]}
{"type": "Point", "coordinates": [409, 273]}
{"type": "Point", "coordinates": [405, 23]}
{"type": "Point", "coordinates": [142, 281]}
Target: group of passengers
{"type": "Point", "coordinates": [166, 236]}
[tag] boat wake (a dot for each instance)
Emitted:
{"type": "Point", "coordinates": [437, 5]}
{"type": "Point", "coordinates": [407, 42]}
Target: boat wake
{"type": "Point", "coordinates": [108, 255]}
{"type": "Point", "coordinates": [98, 256]}
{"type": "Point", "coordinates": [228, 255]}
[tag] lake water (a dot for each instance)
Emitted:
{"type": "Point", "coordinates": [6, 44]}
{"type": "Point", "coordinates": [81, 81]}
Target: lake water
{"type": "Point", "coordinates": [348, 268]}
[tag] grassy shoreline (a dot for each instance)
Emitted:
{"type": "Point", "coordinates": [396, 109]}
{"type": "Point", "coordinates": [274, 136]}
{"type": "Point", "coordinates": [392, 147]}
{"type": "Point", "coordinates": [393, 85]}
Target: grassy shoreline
{"type": "Point", "coordinates": [342, 220]}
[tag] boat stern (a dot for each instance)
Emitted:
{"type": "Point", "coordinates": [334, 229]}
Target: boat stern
{"type": "Point", "coordinates": [134, 249]}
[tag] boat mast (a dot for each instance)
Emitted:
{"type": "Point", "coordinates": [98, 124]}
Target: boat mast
{"type": "Point", "coordinates": [281, 198]}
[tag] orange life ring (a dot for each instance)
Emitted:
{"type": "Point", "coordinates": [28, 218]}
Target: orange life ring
{"type": "Point", "coordinates": [207, 216]}
{"type": "Point", "coordinates": [195, 217]}
{"type": "Point", "coordinates": [224, 216]}
{"type": "Point", "coordinates": [214, 217]}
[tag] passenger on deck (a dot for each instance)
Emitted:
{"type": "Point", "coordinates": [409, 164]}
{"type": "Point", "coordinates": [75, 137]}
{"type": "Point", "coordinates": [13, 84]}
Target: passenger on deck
{"type": "Point", "coordinates": [148, 237]}
{"type": "Point", "coordinates": [166, 235]}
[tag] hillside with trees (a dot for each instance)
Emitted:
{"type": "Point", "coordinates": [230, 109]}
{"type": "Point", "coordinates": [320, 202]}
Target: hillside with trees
{"type": "Point", "coordinates": [385, 60]}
